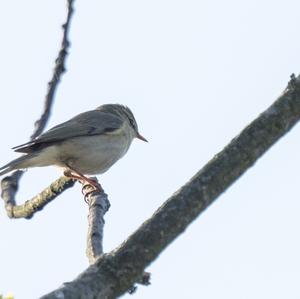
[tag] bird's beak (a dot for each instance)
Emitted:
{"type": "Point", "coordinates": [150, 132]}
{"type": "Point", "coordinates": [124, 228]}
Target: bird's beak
{"type": "Point", "coordinates": [139, 136]}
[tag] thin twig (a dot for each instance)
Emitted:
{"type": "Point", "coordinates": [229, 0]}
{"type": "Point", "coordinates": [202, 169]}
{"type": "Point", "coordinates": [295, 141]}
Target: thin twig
{"type": "Point", "coordinates": [57, 73]}
{"type": "Point", "coordinates": [27, 210]}
{"type": "Point", "coordinates": [12, 182]}
{"type": "Point", "coordinates": [115, 272]}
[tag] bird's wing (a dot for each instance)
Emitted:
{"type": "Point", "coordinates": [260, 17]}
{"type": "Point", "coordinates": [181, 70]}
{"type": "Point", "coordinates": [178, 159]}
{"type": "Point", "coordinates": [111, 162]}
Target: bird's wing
{"type": "Point", "coordinates": [89, 123]}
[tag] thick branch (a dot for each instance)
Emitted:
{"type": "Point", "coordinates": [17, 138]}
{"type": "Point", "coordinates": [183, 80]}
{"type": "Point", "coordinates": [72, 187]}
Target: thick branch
{"type": "Point", "coordinates": [114, 273]}
{"type": "Point", "coordinates": [27, 210]}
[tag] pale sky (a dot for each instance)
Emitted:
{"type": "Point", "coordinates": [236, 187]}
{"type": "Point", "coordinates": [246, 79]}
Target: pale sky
{"type": "Point", "coordinates": [195, 73]}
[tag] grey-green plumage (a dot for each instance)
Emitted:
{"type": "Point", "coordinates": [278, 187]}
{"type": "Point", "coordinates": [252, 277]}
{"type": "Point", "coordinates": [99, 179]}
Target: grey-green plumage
{"type": "Point", "coordinates": [90, 142]}
{"type": "Point", "coordinates": [95, 122]}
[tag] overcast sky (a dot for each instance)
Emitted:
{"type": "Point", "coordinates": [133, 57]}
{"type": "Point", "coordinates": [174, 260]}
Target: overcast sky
{"type": "Point", "coordinates": [195, 73]}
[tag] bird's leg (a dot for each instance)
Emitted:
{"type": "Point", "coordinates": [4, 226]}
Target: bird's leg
{"type": "Point", "coordinates": [74, 174]}
{"type": "Point", "coordinates": [70, 175]}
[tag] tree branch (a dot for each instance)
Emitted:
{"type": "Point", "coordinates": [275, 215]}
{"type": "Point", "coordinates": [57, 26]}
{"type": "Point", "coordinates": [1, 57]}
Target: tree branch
{"type": "Point", "coordinates": [59, 69]}
{"type": "Point", "coordinates": [113, 273]}
{"type": "Point", "coordinates": [12, 182]}
{"type": "Point", "coordinates": [27, 210]}
{"type": "Point", "coordinates": [98, 206]}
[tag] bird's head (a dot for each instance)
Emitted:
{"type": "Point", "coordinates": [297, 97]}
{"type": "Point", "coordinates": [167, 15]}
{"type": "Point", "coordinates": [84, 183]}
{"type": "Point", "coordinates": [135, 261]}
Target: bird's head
{"type": "Point", "coordinates": [126, 114]}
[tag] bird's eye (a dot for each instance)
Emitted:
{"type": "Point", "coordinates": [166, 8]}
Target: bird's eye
{"type": "Point", "coordinates": [132, 123]}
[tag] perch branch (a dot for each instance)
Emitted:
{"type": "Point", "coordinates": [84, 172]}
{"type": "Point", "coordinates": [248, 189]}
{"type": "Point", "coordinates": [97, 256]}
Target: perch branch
{"type": "Point", "coordinates": [98, 206]}
{"type": "Point", "coordinates": [114, 273]}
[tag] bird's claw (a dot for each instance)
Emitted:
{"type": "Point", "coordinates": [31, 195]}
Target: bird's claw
{"type": "Point", "coordinates": [90, 187]}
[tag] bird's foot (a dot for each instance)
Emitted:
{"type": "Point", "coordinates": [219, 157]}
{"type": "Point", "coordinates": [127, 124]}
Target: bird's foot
{"type": "Point", "coordinates": [90, 187]}
{"type": "Point", "coordinates": [85, 181]}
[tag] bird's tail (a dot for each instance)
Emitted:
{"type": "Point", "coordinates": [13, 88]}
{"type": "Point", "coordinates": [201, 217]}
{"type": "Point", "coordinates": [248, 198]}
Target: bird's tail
{"type": "Point", "coordinates": [19, 163]}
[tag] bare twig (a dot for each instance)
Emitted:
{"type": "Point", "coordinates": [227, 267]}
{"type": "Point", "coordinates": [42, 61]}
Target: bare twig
{"type": "Point", "coordinates": [35, 204]}
{"type": "Point", "coordinates": [57, 73]}
{"type": "Point", "coordinates": [12, 182]}
{"type": "Point", "coordinates": [98, 206]}
{"type": "Point", "coordinates": [114, 273]}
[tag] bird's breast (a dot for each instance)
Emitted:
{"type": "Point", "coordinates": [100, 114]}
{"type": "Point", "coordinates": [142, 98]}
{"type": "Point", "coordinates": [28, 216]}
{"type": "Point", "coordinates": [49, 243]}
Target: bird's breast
{"type": "Point", "coordinates": [94, 154]}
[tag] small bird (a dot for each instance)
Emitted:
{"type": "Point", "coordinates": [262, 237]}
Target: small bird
{"type": "Point", "coordinates": [87, 144]}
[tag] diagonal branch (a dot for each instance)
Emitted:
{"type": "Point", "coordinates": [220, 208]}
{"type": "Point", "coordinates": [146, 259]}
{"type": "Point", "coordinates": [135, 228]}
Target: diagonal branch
{"type": "Point", "coordinates": [12, 181]}
{"type": "Point", "coordinates": [113, 273]}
